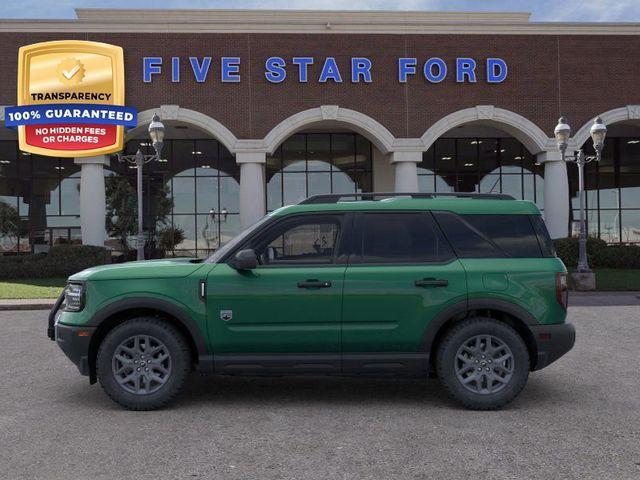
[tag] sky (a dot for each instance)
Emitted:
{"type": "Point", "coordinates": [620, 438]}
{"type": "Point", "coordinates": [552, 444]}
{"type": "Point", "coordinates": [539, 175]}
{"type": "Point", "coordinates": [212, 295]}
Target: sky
{"type": "Point", "coordinates": [542, 10]}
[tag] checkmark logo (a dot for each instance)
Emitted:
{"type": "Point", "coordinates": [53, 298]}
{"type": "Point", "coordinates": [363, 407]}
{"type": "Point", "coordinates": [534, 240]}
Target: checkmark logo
{"type": "Point", "coordinates": [70, 74]}
{"type": "Point", "coordinates": [70, 71]}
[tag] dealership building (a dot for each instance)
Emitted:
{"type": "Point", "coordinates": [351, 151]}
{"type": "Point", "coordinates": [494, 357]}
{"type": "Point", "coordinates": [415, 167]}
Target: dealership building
{"type": "Point", "coordinates": [264, 108]}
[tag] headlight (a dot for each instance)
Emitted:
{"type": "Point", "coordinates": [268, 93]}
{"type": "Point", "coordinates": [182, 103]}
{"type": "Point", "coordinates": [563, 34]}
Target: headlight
{"type": "Point", "coordinates": [74, 297]}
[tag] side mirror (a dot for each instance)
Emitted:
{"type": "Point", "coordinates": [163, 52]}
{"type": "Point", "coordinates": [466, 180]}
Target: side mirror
{"type": "Point", "coordinates": [244, 260]}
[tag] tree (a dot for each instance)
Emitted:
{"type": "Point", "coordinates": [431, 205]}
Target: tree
{"type": "Point", "coordinates": [122, 208]}
{"type": "Point", "coordinates": [9, 220]}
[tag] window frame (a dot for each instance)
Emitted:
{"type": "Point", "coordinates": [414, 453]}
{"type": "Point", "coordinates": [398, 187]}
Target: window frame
{"type": "Point", "coordinates": [357, 239]}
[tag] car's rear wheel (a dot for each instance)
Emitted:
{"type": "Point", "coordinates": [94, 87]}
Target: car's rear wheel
{"type": "Point", "coordinates": [142, 364]}
{"type": "Point", "coordinates": [483, 363]}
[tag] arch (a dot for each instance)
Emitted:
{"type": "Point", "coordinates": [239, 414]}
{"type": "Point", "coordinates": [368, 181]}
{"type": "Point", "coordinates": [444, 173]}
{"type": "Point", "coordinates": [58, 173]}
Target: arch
{"type": "Point", "coordinates": [197, 119]}
{"type": "Point", "coordinates": [374, 131]}
{"type": "Point", "coordinates": [629, 112]}
{"type": "Point", "coordinates": [527, 132]}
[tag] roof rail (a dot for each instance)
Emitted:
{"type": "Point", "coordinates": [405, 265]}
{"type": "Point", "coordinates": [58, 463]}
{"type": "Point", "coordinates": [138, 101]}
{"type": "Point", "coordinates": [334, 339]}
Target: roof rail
{"type": "Point", "coordinates": [337, 197]}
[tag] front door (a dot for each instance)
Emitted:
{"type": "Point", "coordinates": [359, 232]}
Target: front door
{"type": "Point", "coordinates": [289, 306]}
{"type": "Point", "coordinates": [401, 275]}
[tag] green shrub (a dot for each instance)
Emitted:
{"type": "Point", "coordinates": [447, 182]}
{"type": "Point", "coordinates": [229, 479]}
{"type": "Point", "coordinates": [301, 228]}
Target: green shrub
{"type": "Point", "coordinates": [599, 254]}
{"type": "Point", "coordinates": [61, 261]}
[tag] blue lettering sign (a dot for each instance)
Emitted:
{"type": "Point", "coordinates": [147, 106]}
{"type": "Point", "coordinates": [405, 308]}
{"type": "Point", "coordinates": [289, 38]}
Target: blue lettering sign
{"type": "Point", "coordinates": [230, 69]}
{"type": "Point", "coordinates": [151, 66]}
{"type": "Point", "coordinates": [275, 69]}
{"type": "Point", "coordinates": [496, 70]}
{"type": "Point", "coordinates": [200, 71]}
{"type": "Point", "coordinates": [406, 66]}
{"type": "Point", "coordinates": [360, 67]}
{"type": "Point", "coordinates": [303, 64]}
{"type": "Point", "coordinates": [428, 70]}
{"type": "Point", "coordinates": [330, 71]}
{"type": "Point", "coordinates": [465, 67]}
{"type": "Point", "coordinates": [175, 69]}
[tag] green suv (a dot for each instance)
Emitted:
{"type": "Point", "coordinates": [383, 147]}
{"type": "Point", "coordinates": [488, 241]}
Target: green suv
{"type": "Point", "coordinates": [463, 286]}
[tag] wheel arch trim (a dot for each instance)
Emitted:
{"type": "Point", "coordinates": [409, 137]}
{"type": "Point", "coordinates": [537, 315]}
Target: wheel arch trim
{"type": "Point", "coordinates": [462, 308]}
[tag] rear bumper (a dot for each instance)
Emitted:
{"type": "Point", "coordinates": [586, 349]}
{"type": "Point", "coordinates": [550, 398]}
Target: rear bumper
{"type": "Point", "coordinates": [552, 342]}
{"type": "Point", "coordinates": [74, 342]}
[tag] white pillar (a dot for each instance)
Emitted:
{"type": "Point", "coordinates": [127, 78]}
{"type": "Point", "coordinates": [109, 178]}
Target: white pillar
{"type": "Point", "coordinates": [93, 209]}
{"type": "Point", "coordinates": [556, 194]}
{"type": "Point", "coordinates": [406, 166]}
{"type": "Point", "coordinates": [252, 188]}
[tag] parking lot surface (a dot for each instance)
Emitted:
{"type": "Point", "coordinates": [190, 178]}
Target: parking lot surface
{"type": "Point", "coordinates": [579, 418]}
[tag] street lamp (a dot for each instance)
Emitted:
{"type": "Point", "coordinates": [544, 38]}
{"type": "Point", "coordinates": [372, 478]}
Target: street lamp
{"type": "Point", "coordinates": [562, 133]}
{"type": "Point", "coordinates": [156, 133]}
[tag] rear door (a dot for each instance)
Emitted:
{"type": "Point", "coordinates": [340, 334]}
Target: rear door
{"type": "Point", "coordinates": [401, 274]}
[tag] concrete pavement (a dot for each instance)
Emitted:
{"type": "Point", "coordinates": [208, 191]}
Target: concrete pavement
{"type": "Point", "coordinates": [577, 419]}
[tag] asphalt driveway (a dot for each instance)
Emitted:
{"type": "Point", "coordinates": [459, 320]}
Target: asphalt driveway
{"type": "Point", "coordinates": [579, 418]}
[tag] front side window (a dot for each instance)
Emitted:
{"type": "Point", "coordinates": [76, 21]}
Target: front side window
{"type": "Point", "coordinates": [304, 241]}
{"type": "Point", "coordinates": [402, 238]}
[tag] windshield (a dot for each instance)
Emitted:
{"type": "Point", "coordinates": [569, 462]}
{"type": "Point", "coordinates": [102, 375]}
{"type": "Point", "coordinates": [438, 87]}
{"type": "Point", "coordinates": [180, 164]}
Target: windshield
{"type": "Point", "coordinates": [235, 241]}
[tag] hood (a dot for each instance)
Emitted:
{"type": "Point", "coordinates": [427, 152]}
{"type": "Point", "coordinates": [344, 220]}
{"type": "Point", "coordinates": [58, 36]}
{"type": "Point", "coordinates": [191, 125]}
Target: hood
{"type": "Point", "coordinates": [166, 268]}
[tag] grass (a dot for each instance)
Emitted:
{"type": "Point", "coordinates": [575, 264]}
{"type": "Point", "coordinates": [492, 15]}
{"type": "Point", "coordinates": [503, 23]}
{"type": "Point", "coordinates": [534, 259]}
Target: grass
{"type": "Point", "coordinates": [607, 279]}
{"type": "Point", "coordinates": [27, 288]}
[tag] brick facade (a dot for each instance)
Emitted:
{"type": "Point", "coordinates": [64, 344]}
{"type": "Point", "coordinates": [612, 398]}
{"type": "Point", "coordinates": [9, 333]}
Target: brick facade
{"type": "Point", "coordinates": [574, 75]}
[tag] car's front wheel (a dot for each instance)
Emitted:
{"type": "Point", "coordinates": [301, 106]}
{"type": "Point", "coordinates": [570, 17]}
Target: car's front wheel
{"type": "Point", "coordinates": [142, 364]}
{"type": "Point", "coordinates": [483, 363]}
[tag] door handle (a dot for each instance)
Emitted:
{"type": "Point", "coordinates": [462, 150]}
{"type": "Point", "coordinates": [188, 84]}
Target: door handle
{"type": "Point", "coordinates": [431, 282]}
{"type": "Point", "coordinates": [314, 284]}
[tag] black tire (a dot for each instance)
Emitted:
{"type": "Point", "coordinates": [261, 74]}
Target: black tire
{"type": "Point", "coordinates": [490, 394]}
{"type": "Point", "coordinates": [178, 364]}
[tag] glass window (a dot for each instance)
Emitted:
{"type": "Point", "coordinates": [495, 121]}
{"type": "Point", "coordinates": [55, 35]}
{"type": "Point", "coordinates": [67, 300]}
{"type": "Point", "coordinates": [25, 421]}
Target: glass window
{"type": "Point", "coordinates": [317, 163]}
{"type": "Point", "coordinates": [308, 241]}
{"type": "Point", "coordinates": [318, 153]}
{"type": "Point", "coordinates": [467, 241]}
{"type": "Point", "coordinates": [183, 190]}
{"type": "Point", "coordinates": [546, 244]}
{"type": "Point", "coordinates": [183, 157]}
{"type": "Point", "coordinates": [630, 225]}
{"type": "Point", "coordinates": [402, 238]}
{"type": "Point", "coordinates": [514, 234]}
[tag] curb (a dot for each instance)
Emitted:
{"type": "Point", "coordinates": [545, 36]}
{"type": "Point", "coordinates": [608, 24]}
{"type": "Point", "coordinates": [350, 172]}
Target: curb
{"type": "Point", "coordinates": [17, 305]}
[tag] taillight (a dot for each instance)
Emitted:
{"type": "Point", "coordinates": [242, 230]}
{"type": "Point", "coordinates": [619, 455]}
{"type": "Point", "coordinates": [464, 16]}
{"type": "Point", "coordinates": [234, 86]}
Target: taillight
{"type": "Point", "coordinates": [562, 290]}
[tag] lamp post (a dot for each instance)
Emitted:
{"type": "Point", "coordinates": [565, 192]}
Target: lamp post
{"type": "Point", "coordinates": [562, 133]}
{"type": "Point", "coordinates": [156, 133]}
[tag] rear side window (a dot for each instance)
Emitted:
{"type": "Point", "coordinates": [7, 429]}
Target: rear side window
{"type": "Point", "coordinates": [467, 241]}
{"type": "Point", "coordinates": [546, 244]}
{"type": "Point", "coordinates": [402, 238]}
{"type": "Point", "coordinates": [493, 235]}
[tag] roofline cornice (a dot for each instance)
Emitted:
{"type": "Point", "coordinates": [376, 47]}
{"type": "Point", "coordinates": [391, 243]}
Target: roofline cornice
{"type": "Point", "coordinates": [307, 21]}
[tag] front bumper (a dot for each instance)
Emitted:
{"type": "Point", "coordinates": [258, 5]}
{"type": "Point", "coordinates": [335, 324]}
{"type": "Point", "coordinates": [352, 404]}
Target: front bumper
{"type": "Point", "coordinates": [74, 342]}
{"type": "Point", "coordinates": [552, 342]}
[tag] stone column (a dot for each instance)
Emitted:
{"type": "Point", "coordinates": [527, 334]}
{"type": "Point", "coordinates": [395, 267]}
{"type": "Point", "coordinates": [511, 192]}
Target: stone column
{"type": "Point", "coordinates": [556, 194]}
{"type": "Point", "coordinates": [92, 199]}
{"type": "Point", "coordinates": [252, 188]}
{"type": "Point", "coordinates": [406, 167]}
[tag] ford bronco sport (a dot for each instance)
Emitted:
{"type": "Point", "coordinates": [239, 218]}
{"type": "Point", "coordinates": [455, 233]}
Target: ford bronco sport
{"type": "Point", "coordinates": [465, 286]}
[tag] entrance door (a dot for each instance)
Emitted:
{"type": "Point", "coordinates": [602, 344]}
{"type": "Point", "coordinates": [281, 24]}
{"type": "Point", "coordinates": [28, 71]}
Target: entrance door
{"type": "Point", "coordinates": [402, 274]}
{"type": "Point", "coordinates": [289, 306]}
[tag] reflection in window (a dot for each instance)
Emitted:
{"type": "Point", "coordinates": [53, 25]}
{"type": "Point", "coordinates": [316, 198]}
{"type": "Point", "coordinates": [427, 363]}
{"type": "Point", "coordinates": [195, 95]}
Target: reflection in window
{"type": "Point", "coordinates": [612, 191]}
{"type": "Point", "coordinates": [201, 181]}
{"type": "Point", "coordinates": [39, 200]}
{"type": "Point", "coordinates": [485, 165]}
{"type": "Point", "coordinates": [308, 243]}
{"type": "Point", "coordinates": [316, 163]}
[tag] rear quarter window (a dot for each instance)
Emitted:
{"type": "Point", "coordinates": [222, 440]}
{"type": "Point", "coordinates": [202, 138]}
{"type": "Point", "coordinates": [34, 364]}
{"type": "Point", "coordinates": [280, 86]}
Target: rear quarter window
{"type": "Point", "coordinates": [493, 236]}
